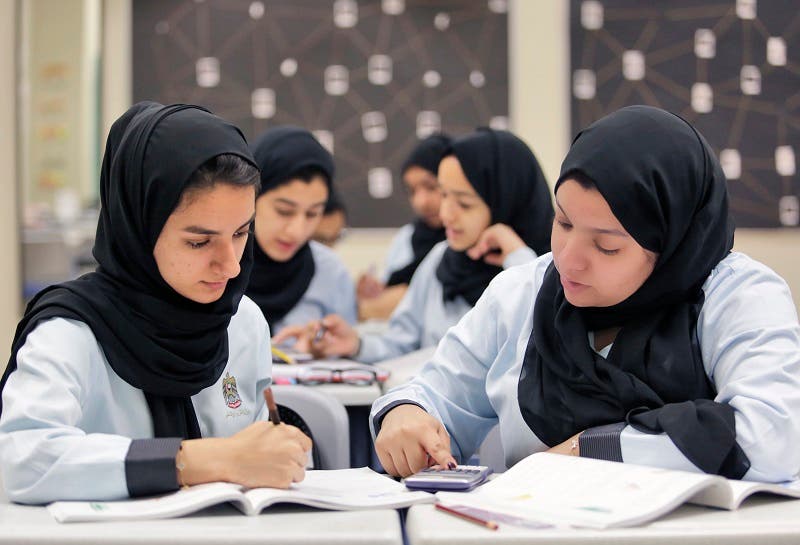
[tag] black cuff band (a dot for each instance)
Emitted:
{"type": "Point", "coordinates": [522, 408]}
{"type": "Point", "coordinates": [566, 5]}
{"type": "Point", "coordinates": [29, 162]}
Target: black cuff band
{"type": "Point", "coordinates": [602, 442]}
{"type": "Point", "coordinates": [150, 466]}
{"type": "Point", "coordinates": [377, 420]}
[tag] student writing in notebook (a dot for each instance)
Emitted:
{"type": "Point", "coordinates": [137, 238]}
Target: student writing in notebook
{"type": "Point", "coordinates": [641, 338]}
{"type": "Point", "coordinates": [148, 373]}
{"type": "Point", "coordinates": [496, 210]}
{"type": "Point", "coordinates": [294, 278]}
{"type": "Point", "coordinates": [378, 298]}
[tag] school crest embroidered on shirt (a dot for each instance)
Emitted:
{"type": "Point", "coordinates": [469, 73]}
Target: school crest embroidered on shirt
{"type": "Point", "coordinates": [229, 392]}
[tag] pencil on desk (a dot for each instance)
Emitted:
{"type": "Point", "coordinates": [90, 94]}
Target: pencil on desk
{"type": "Point", "coordinates": [281, 355]}
{"type": "Point", "coordinates": [490, 524]}
{"type": "Point", "coordinates": [274, 415]}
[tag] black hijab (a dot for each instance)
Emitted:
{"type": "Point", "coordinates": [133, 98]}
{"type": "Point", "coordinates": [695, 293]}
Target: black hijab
{"type": "Point", "coordinates": [666, 187]}
{"type": "Point", "coordinates": [426, 155]}
{"type": "Point", "coordinates": [153, 338]}
{"type": "Point", "coordinates": [506, 175]}
{"type": "Point", "coordinates": [281, 153]}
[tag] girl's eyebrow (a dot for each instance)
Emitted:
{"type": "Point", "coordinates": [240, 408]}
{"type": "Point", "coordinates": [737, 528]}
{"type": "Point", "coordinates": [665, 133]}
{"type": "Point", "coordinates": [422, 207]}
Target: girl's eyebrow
{"type": "Point", "coordinates": [289, 202]}
{"type": "Point", "coordinates": [461, 193]}
{"type": "Point", "coordinates": [601, 231]}
{"type": "Point", "coordinates": [198, 230]}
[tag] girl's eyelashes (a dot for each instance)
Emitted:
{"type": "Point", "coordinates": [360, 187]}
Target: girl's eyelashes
{"type": "Point", "coordinates": [564, 224]}
{"type": "Point", "coordinates": [606, 251]}
{"type": "Point", "coordinates": [196, 245]}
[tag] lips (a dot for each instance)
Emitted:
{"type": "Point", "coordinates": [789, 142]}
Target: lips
{"type": "Point", "coordinates": [570, 285]}
{"type": "Point", "coordinates": [286, 246]}
{"type": "Point", "coordinates": [214, 286]}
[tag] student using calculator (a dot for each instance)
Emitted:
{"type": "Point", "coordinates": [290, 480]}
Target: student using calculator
{"type": "Point", "coordinates": [641, 338]}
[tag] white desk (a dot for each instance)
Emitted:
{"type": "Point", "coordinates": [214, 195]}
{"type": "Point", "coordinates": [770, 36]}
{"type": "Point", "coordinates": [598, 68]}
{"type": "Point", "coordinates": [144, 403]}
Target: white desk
{"type": "Point", "coordinates": [761, 520]}
{"type": "Point", "coordinates": [218, 525]}
{"type": "Point", "coordinates": [350, 395]}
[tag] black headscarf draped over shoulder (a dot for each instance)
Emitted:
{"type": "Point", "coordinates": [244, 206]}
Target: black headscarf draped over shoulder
{"type": "Point", "coordinates": [425, 155]}
{"type": "Point", "coordinates": [504, 172]}
{"type": "Point", "coordinates": [153, 338]}
{"type": "Point", "coordinates": [281, 153]}
{"type": "Point", "coordinates": [666, 187]}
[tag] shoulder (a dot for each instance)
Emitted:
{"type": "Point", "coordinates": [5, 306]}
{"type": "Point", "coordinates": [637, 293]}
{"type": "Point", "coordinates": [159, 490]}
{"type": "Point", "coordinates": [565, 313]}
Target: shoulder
{"type": "Point", "coordinates": [427, 268]}
{"type": "Point", "coordinates": [326, 259]}
{"type": "Point", "coordinates": [248, 317]}
{"type": "Point", "coordinates": [738, 275]}
{"type": "Point", "coordinates": [63, 343]}
{"type": "Point", "coordinates": [527, 277]}
{"type": "Point", "coordinates": [742, 294]}
{"type": "Point", "coordinates": [404, 233]}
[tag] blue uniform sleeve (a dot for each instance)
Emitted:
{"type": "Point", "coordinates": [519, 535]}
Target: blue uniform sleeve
{"type": "Point", "coordinates": [452, 385]}
{"type": "Point", "coordinates": [750, 343]}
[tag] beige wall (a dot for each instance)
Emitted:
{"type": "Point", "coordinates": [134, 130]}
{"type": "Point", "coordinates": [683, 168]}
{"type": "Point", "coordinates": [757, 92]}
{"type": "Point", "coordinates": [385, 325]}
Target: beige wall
{"type": "Point", "coordinates": [540, 95]}
{"type": "Point", "coordinates": [10, 287]}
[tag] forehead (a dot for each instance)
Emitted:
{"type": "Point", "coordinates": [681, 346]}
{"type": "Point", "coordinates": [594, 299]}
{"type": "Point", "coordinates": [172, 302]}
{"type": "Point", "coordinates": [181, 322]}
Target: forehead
{"type": "Point", "coordinates": [452, 177]}
{"type": "Point", "coordinates": [583, 204]}
{"type": "Point", "coordinates": [415, 175]}
{"type": "Point", "coordinates": [216, 202]}
{"type": "Point", "coordinates": [300, 190]}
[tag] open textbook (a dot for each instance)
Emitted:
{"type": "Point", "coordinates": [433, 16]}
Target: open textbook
{"type": "Point", "coordinates": [583, 492]}
{"type": "Point", "coordinates": [340, 489]}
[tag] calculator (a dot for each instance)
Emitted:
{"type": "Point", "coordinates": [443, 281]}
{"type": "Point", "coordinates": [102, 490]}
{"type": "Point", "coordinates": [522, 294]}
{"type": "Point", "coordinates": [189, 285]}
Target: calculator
{"type": "Point", "coordinates": [462, 478]}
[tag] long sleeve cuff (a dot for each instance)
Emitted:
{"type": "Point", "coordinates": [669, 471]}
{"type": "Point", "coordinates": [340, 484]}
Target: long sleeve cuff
{"type": "Point", "coordinates": [602, 442]}
{"type": "Point", "coordinates": [150, 466]}
{"type": "Point", "coordinates": [377, 420]}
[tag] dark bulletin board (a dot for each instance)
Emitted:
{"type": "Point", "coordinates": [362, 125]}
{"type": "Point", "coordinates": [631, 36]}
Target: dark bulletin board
{"type": "Point", "coordinates": [369, 77]}
{"type": "Point", "coordinates": [730, 67]}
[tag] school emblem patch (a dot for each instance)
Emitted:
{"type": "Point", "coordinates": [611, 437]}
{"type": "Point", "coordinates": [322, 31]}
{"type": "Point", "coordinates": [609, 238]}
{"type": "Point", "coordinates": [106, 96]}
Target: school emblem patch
{"type": "Point", "coordinates": [230, 392]}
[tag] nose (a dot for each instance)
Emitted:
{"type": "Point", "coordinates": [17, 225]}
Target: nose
{"type": "Point", "coordinates": [572, 256]}
{"type": "Point", "coordinates": [227, 261]}
{"type": "Point", "coordinates": [296, 228]}
{"type": "Point", "coordinates": [420, 200]}
{"type": "Point", "coordinates": [447, 211]}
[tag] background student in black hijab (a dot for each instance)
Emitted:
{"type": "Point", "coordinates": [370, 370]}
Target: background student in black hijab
{"type": "Point", "coordinates": [116, 377]}
{"type": "Point", "coordinates": [378, 298]}
{"type": "Point", "coordinates": [642, 338]}
{"type": "Point", "coordinates": [496, 210]}
{"type": "Point", "coordinates": [294, 278]}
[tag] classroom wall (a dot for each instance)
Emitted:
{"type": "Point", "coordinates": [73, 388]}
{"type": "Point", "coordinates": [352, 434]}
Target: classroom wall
{"type": "Point", "coordinates": [9, 233]}
{"type": "Point", "coordinates": [539, 109]}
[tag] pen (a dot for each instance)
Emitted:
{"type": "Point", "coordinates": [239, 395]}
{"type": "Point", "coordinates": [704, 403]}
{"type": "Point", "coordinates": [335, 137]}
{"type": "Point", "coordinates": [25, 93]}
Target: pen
{"type": "Point", "coordinates": [320, 332]}
{"type": "Point", "coordinates": [274, 415]}
{"type": "Point", "coordinates": [281, 355]}
{"type": "Point", "coordinates": [490, 524]}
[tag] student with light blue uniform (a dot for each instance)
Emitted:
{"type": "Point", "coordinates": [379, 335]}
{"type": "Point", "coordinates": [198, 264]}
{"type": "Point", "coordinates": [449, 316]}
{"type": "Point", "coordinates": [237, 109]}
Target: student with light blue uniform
{"type": "Point", "coordinates": [377, 299]}
{"type": "Point", "coordinates": [642, 338]}
{"type": "Point", "coordinates": [295, 279]}
{"type": "Point", "coordinates": [148, 373]}
{"type": "Point", "coordinates": [496, 210]}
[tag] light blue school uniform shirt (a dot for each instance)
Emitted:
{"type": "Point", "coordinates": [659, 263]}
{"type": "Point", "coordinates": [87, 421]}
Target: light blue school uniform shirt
{"type": "Point", "coordinates": [331, 291]}
{"type": "Point", "coordinates": [423, 316]}
{"type": "Point", "coordinates": [750, 344]}
{"type": "Point", "coordinates": [68, 419]}
{"type": "Point", "coordinates": [400, 252]}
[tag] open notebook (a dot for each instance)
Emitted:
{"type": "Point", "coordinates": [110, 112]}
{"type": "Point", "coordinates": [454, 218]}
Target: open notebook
{"type": "Point", "coordinates": [340, 489]}
{"type": "Point", "coordinates": [583, 492]}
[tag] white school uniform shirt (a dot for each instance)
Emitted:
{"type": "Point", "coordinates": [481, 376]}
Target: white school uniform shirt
{"type": "Point", "coordinates": [423, 316]}
{"type": "Point", "coordinates": [68, 419]}
{"type": "Point", "coordinates": [331, 291]}
{"type": "Point", "coordinates": [400, 252]}
{"type": "Point", "coordinates": [750, 344]}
